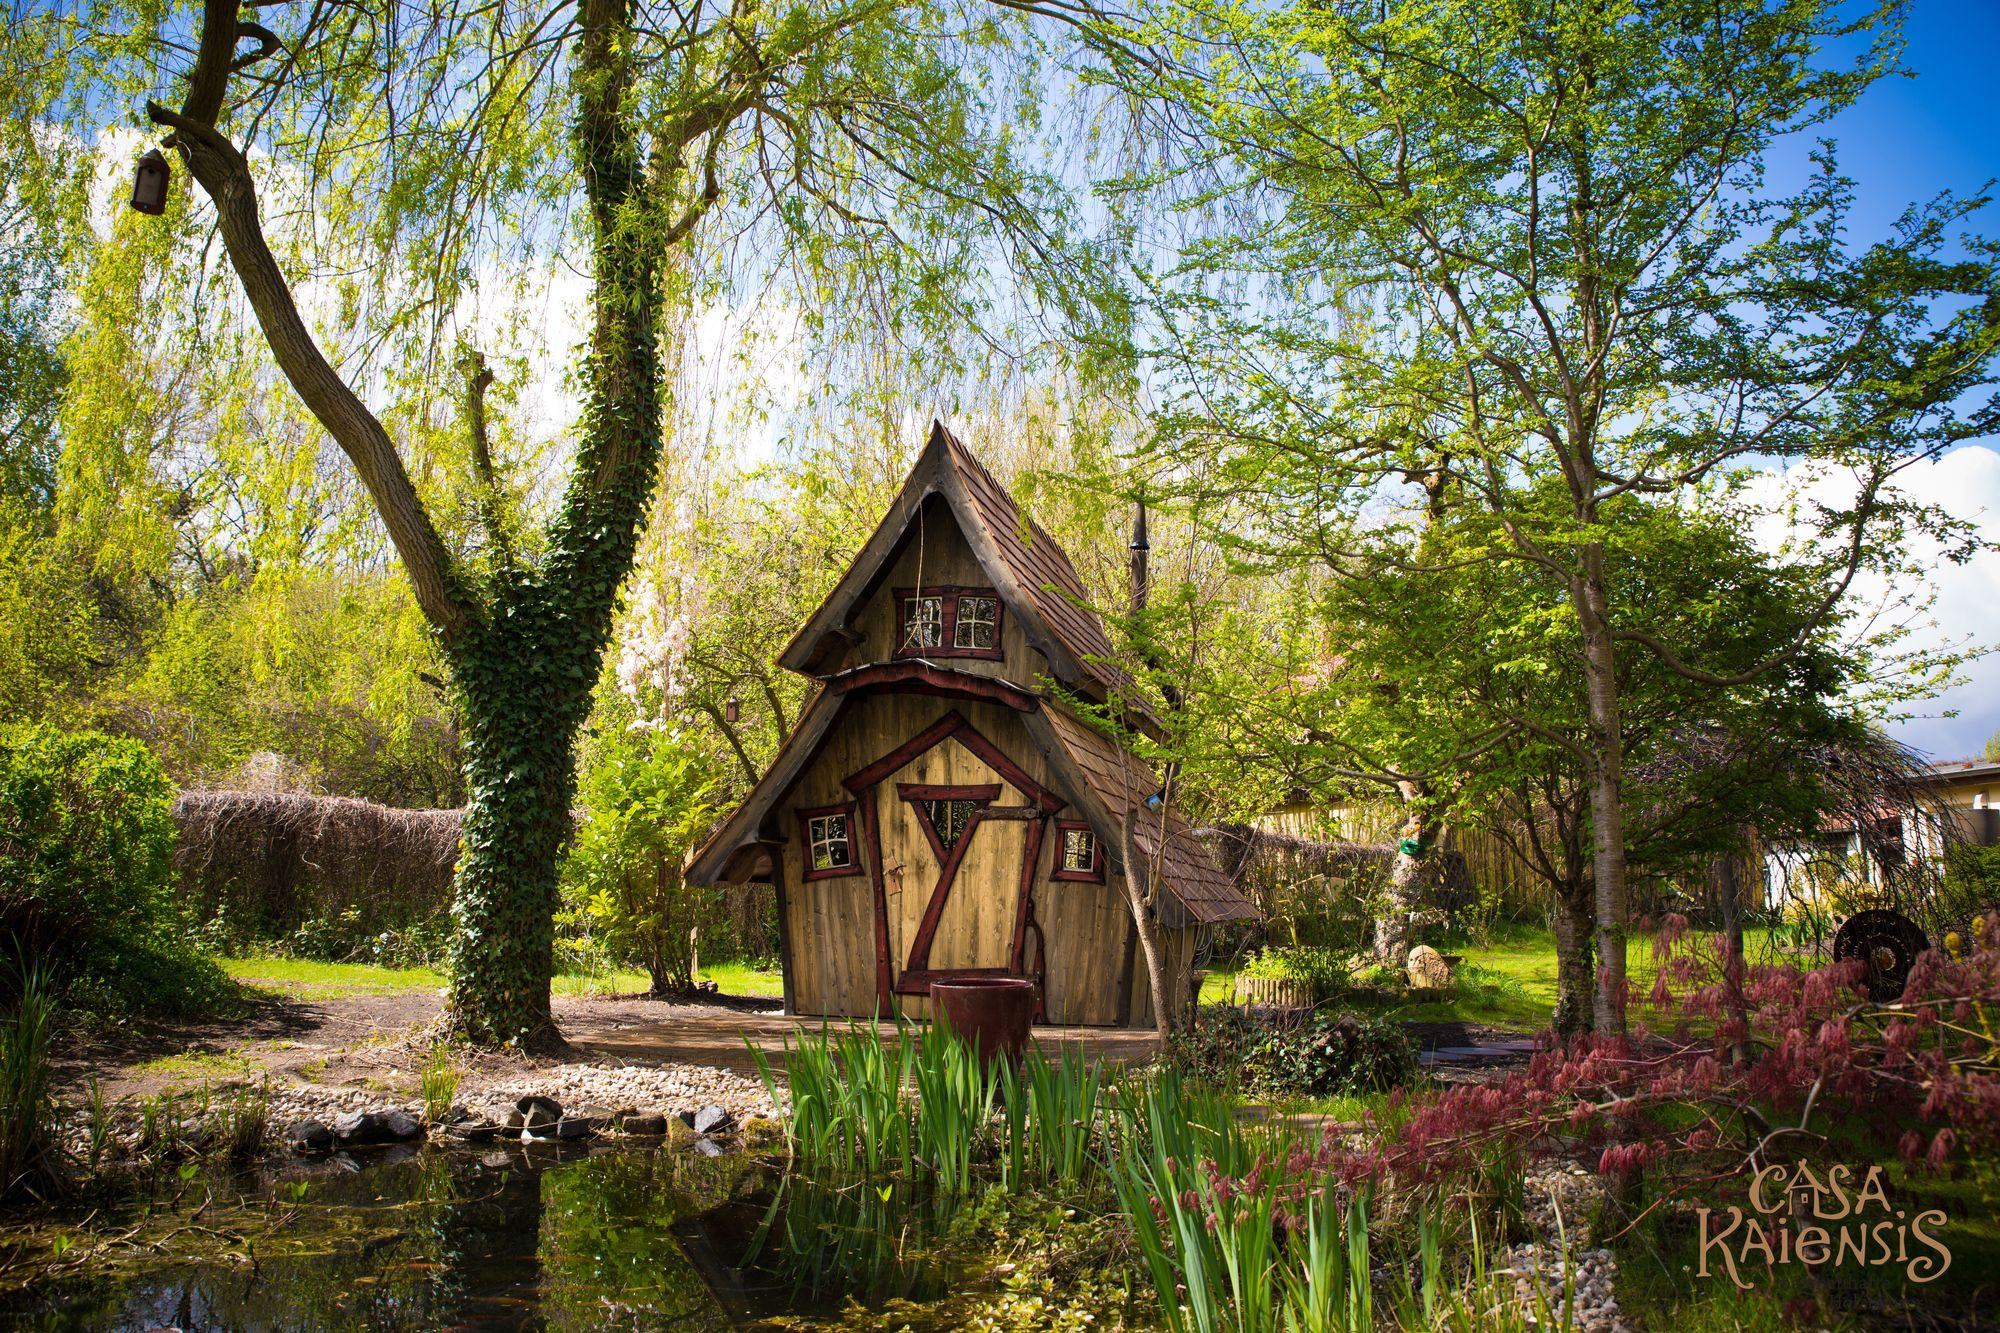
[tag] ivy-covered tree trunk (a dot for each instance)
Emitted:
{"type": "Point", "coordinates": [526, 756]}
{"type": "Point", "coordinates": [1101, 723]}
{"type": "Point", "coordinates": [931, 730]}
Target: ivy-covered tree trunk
{"type": "Point", "coordinates": [526, 672]}
{"type": "Point", "coordinates": [525, 641]}
{"type": "Point", "coordinates": [520, 780]}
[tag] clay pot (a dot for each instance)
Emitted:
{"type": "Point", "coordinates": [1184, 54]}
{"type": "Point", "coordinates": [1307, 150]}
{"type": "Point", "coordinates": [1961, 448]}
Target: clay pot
{"type": "Point", "coordinates": [993, 1014]}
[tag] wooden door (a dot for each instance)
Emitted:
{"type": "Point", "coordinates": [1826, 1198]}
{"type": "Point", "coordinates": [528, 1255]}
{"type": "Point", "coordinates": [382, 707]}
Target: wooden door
{"type": "Point", "coordinates": [954, 830]}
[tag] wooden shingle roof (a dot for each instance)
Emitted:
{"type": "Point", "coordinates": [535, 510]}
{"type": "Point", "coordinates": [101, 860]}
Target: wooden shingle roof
{"type": "Point", "coordinates": [1120, 781]}
{"type": "Point", "coordinates": [1027, 565]}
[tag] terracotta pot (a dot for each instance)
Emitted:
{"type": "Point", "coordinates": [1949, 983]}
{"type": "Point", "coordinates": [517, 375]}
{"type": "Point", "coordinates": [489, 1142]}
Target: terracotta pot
{"type": "Point", "coordinates": [993, 1014]}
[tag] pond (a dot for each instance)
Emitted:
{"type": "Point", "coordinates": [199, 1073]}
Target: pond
{"type": "Point", "coordinates": [539, 1236]}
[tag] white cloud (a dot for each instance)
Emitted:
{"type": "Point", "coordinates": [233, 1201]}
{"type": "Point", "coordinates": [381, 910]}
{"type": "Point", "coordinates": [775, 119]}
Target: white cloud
{"type": "Point", "coordinates": [1963, 599]}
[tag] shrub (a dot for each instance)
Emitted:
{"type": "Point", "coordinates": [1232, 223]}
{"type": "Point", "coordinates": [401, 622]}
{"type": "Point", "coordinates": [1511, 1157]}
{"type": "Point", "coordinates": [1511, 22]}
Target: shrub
{"type": "Point", "coordinates": [645, 806]}
{"type": "Point", "coordinates": [1226, 1048]}
{"type": "Point", "coordinates": [1329, 1056]}
{"type": "Point", "coordinates": [1320, 970]}
{"type": "Point", "coordinates": [86, 872]}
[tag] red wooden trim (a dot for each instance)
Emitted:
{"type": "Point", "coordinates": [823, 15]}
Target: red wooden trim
{"type": "Point", "coordinates": [853, 866]}
{"type": "Point", "coordinates": [1095, 875]}
{"type": "Point", "coordinates": [922, 678]}
{"type": "Point", "coordinates": [1008, 769]}
{"type": "Point", "coordinates": [918, 981]}
{"type": "Point", "coordinates": [920, 947]}
{"type": "Point", "coordinates": [870, 826]}
{"type": "Point", "coordinates": [1024, 894]}
{"type": "Point", "coordinates": [930, 791]}
{"type": "Point", "coordinates": [914, 792]}
{"type": "Point", "coordinates": [954, 724]}
{"type": "Point", "coordinates": [948, 725]}
{"type": "Point", "coordinates": [948, 593]}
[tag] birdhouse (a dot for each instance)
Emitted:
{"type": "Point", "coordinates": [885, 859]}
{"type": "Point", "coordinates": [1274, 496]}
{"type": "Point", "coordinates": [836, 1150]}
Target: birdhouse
{"type": "Point", "coordinates": [149, 184]}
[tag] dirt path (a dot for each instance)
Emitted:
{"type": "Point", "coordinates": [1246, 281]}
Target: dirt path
{"type": "Point", "coordinates": [376, 1038]}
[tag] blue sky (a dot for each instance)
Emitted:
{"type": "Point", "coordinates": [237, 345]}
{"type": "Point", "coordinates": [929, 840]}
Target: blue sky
{"type": "Point", "coordinates": [1905, 141]}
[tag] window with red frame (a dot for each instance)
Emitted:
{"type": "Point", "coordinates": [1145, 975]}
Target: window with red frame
{"type": "Point", "coordinates": [948, 622]}
{"type": "Point", "coordinates": [828, 837]}
{"type": "Point", "coordinates": [1079, 855]}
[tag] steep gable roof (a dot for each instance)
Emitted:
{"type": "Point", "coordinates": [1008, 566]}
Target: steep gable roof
{"type": "Point", "coordinates": [1028, 567]}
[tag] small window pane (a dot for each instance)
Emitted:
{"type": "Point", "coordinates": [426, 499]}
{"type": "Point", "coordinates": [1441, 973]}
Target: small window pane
{"type": "Point", "coordinates": [923, 622]}
{"type": "Point", "coordinates": [973, 627]}
{"type": "Point", "coordinates": [1079, 850]}
{"type": "Point", "coordinates": [829, 842]}
{"type": "Point", "coordinates": [949, 819]}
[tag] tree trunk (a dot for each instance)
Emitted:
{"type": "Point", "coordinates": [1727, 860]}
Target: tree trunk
{"type": "Point", "coordinates": [1137, 876]}
{"type": "Point", "coordinates": [520, 778]}
{"type": "Point", "coordinates": [1733, 973]}
{"type": "Point", "coordinates": [1607, 774]}
{"type": "Point", "coordinates": [1407, 877]}
{"type": "Point", "coordinates": [1574, 971]}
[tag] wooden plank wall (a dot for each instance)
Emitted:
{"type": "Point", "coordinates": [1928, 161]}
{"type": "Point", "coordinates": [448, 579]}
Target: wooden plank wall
{"type": "Point", "coordinates": [831, 921]}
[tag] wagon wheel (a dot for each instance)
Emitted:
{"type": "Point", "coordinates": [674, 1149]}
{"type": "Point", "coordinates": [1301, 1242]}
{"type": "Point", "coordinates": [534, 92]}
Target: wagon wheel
{"type": "Point", "coordinates": [1888, 942]}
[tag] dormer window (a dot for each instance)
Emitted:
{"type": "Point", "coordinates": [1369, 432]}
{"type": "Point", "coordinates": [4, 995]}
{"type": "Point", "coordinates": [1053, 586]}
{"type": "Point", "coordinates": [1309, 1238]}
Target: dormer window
{"type": "Point", "coordinates": [948, 622]}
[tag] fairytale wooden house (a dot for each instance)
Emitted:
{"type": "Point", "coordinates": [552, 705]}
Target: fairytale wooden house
{"type": "Point", "coordinates": [937, 812]}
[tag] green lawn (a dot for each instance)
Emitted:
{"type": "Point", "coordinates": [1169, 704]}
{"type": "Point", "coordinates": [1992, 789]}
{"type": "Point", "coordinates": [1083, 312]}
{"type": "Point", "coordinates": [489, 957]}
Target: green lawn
{"type": "Point", "coordinates": [1510, 982]}
{"type": "Point", "coordinates": [300, 977]}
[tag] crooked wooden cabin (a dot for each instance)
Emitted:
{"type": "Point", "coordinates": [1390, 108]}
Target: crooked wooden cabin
{"type": "Point", "coordinates": [937, 811]}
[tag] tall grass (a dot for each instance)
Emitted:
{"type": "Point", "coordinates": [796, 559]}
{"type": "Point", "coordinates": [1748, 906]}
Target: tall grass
{"type": "Point", "coordinates": [1232, 1241]}
{"type": "Point", "coordinates": [439, 1081]}
{"type": "Point", "coordinates": [30, 1165]}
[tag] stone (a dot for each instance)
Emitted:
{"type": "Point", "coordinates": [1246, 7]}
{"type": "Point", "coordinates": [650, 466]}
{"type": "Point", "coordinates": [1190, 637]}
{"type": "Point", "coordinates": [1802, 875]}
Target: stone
{"type": "Point", "coordinates": [471, 1131]}
{"type": "Point", "coordinates": [708, 1147]}
{"type": "Point", "coordinates": [685, 1117]}
{"type": "Point", "coordinates": [1428, 969]}
{"type": "Point", "coordinates": [536, 1116]}
{"type": "Point", "coordinates": [360, 1129]}
{"type": "Point", "coordinates": [400, 1124]}
{"type": "Point", "coordinates": [574, 1127]}
{"type": "Point", "coordinates": [649, 1126]}
{"type": "Point", "coordinates": [713, 1119]}
{"type": "Point", "coordinates": [308, 1136]}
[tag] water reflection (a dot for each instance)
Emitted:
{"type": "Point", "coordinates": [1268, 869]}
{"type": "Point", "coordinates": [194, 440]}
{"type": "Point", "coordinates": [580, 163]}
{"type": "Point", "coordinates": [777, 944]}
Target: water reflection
{"type": "Point", "coordinates": [545, 1238]}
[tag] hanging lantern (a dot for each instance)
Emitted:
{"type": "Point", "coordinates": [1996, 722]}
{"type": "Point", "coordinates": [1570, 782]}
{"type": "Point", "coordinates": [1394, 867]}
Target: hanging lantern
{"type": "Point", "coordinates": [732, 710]}
{"type": "Point", "coordinates": [149, 184]}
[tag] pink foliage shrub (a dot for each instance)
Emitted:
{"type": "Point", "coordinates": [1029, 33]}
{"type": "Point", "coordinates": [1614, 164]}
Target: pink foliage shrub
{"type": "Point", "coordinates": [1791, 1055]}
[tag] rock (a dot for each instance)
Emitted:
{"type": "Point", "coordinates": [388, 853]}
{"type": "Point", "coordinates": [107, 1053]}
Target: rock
{"type": "Point", "coordinates": [713, 1119]}
{"type": "Point", "coordinates": [649, 1126]}
{"type": "Point", "coordinates": [708, 1147]}
{"type": "Point", "coordinates": [471, 1131]}
{"type": "Point", "coordinates": [308, 1136]}
{"type": "Point", "coordinates": [536, 1116]}
{"type": "Point", "coordinates": [1428, 969]}
{"type": "Point", "coordinates": [400, 1124]}
{"type": "Point", "coordinates": [685, 1117]}
{"type": "Point", "coordinates": [761, 1131]}
{"type": "Point", "coordinates": [496, 1160]}
{"type": "Point", "coordinates": [360, 1129]}
{"type": "Point", "coordinates": [574, 1127]}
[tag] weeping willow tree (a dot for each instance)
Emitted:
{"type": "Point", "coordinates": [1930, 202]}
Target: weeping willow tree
{"type": "Point", "coordinates": [373, 169]}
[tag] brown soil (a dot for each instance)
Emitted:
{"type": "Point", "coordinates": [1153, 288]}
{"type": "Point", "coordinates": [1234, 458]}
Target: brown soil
{"type": "Point", "coordinates": [377, 1041]}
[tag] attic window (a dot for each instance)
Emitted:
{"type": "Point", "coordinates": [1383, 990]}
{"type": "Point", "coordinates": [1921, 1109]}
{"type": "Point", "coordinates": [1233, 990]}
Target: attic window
{"type": "Point", "coordinates": [828, 837]}
{"type": "Point", "coordinates": [948, 622]}
{"type": "Point", "coordinates": [1079, 856]}
{"type": "Point", "coordinates": [975, 623]}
